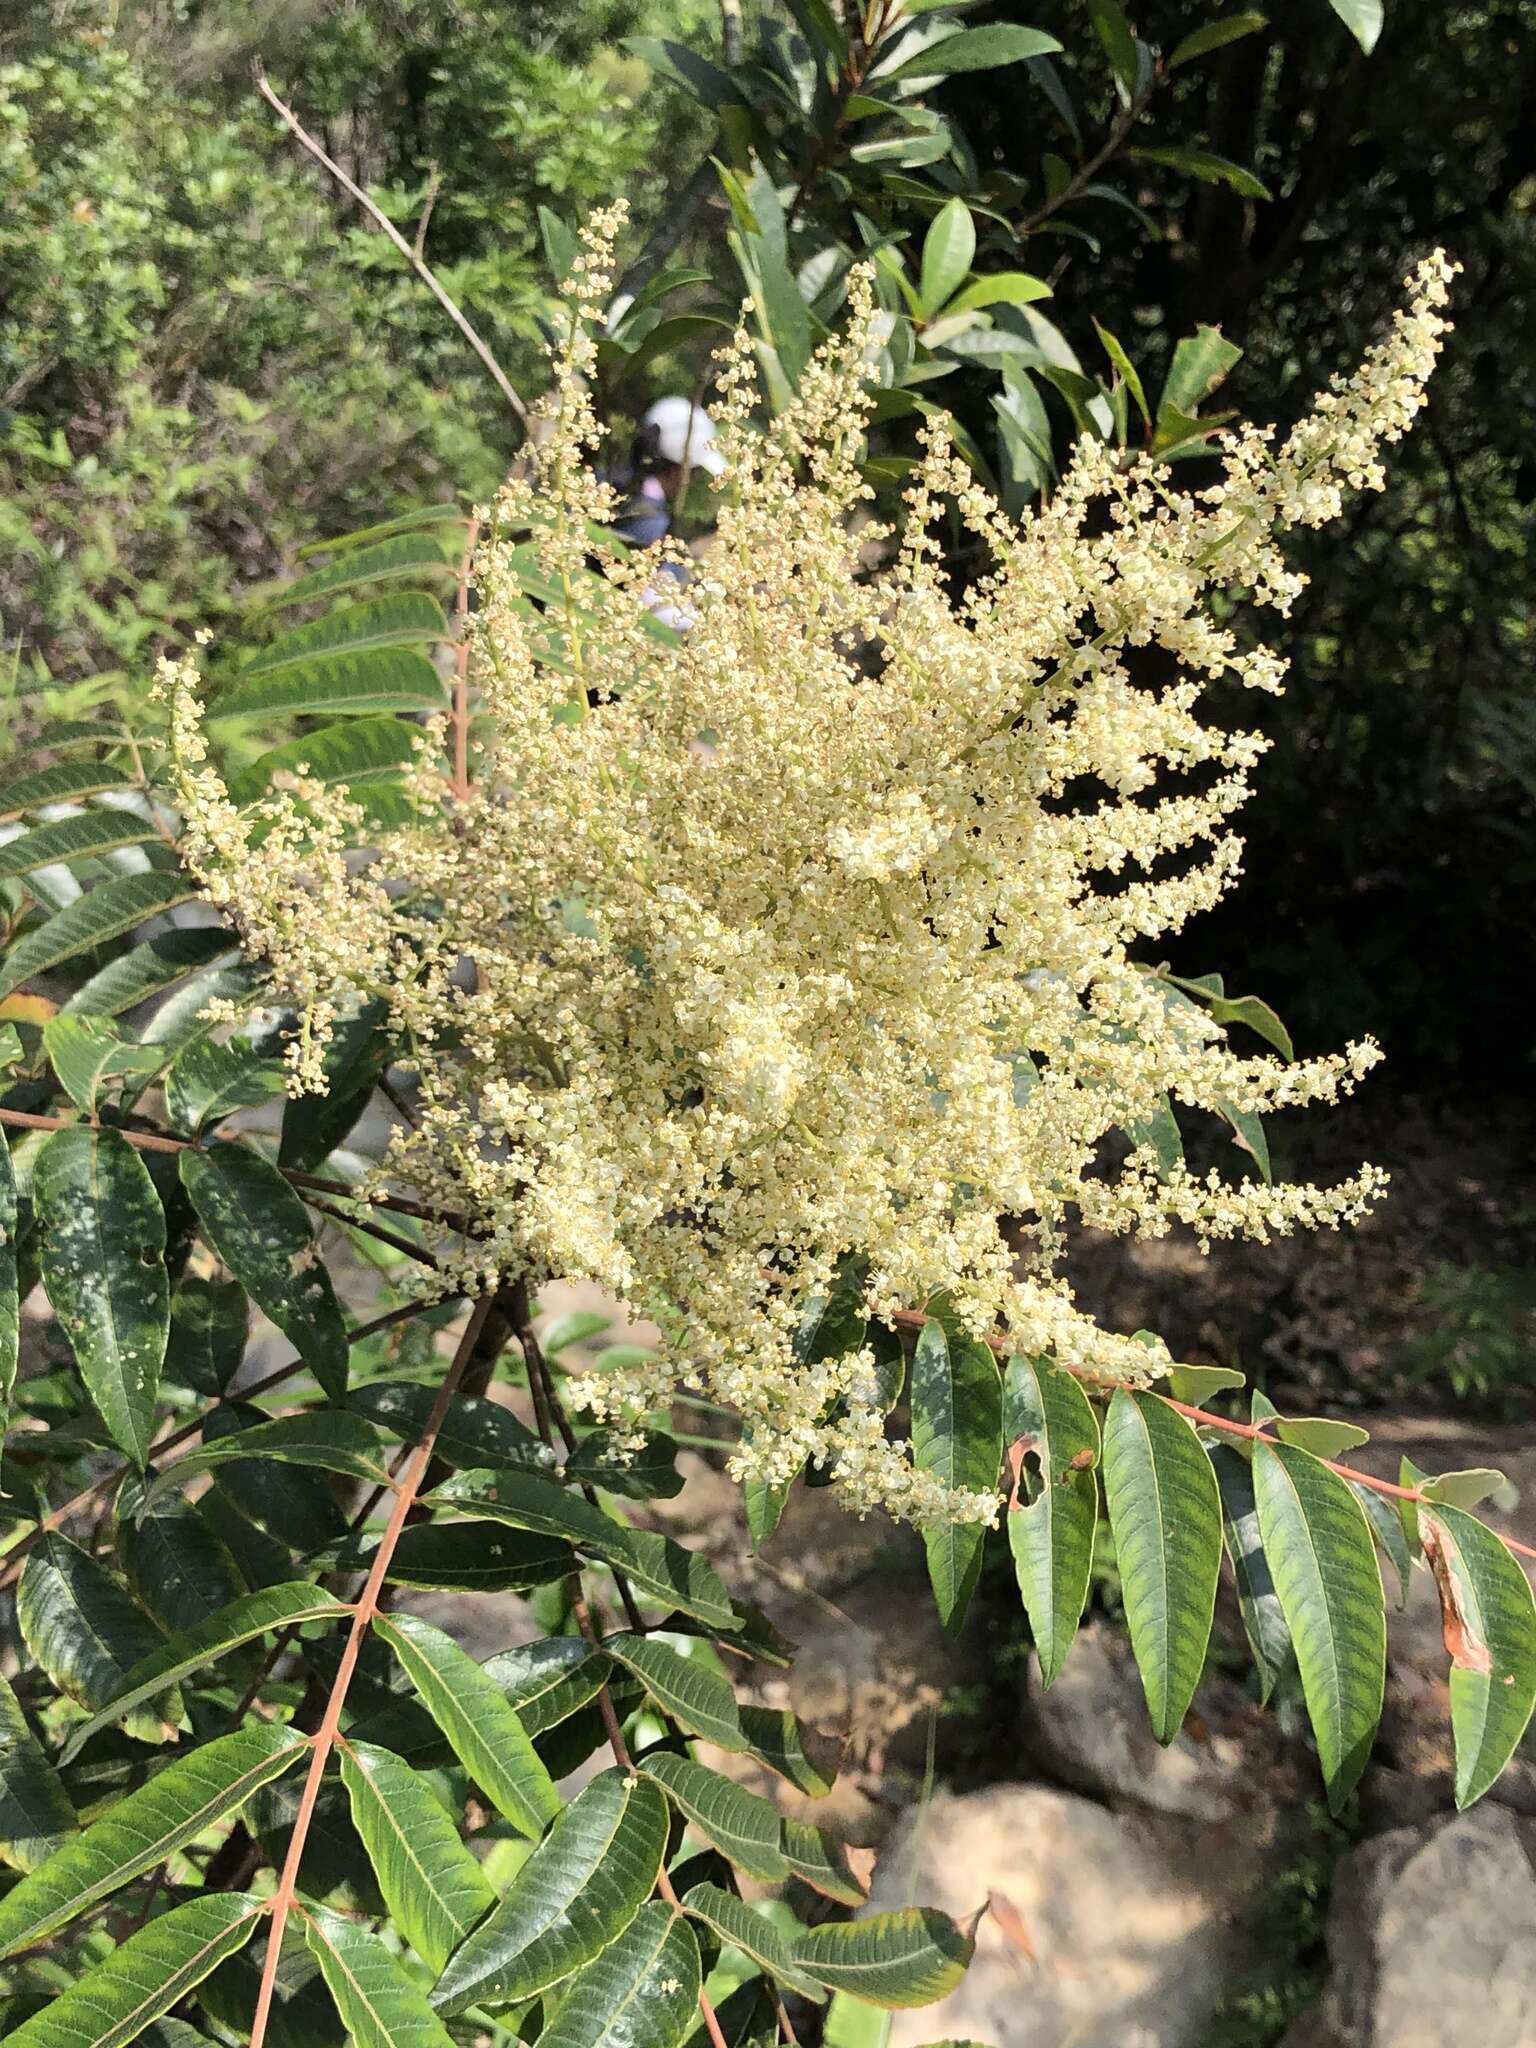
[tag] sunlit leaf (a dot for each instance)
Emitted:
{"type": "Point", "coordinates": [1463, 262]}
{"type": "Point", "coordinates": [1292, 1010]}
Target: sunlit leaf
{"type": "Point", "coordinates": [1046, 1417]}
{"type": "Point", "coordinates": [1489, 1621]}
{"type": "Point", "coordinates": [434, 1888]}
{"type": "Point", "coordinates": [888, 1959]}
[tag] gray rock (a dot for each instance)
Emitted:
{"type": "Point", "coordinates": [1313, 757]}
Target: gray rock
{"type": "Point", "coordinates": [1106, 1930]}
{"type": "Point", "coordinates": [1432, 1937]}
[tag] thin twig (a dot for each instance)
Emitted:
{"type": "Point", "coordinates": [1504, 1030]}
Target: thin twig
{"type": "Point", "coordinates": [330, 1724]}
{"type": "Point", "coordinates": [434, 186]}
{"type": "Point", "coordinates": [422, 269]}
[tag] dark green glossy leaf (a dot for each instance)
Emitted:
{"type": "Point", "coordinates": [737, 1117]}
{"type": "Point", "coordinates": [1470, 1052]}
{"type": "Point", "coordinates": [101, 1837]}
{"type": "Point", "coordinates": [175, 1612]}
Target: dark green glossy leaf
{"type": "Point", "coordinates": [86, 1633]}
{"type": "Point", "coordinates": [776, 1738]}
{"type": "Point", "coordinates": [380, 2002]}
{"type": "Point", "coordinates": [649, 1473]}
{"type": "Point", "coordinates": [146, 969]}
{"type": "Point", "coordinates": [1264, 1623]}
{"type": "Point", "coordinates": [888, 1959]}
{"type": "Point", "coordinates": [209, 1081]}
{"type": "Point", "coordinates": [471, 1709]}
{"type": "Point", "coordinates": [209, 1327]}
{"type": "Point", "coordinates": [153, 1970]}
{"type": "Point", "coordinates": [699, 1699]}
{"type": "Point", "coordinates": [976, 49]}
{"type": "Point", "coordinates": [577, 1892]}
{"type": "Point", "coordinates": [189, 1795]}
{"type": "Point", "coordinates": [258, 1227]}
{"type": "Point", "coordinates": [735, 1922]}
{"type": "Point", "coordinates": [1324, 1566]}
{"type": "Point", "coordinates": [818, 1859]}
{"type": "Point", "coordinates": [1165, 1512]}
{"type": "Point", "coordinates": [179, 1570]}
{"type": "Point", "coordinates": [319, 1440]}
{"type": "Point", "coordinates": [740, 1824]}
{"type": "Point", "coordinates": [10, 1291]}
{"type": "Point", "coordinates": [473, 1432]}
{"type": "Point", "coordinates": [1489, 1620]}
{"type": "Point", "coordinates": [103, 1257]}
{"type": "Point", "coordinates": [36, 1818]}
{"type": "Point", "coordinates": [433, 1886]}
{"type": "Point", "coordinates": [90, 921]}
{"type": "Point", "coordinates": [1046, 1416]}
{"type": "Point", "coordinates": [456, 1557]}
{"type": "Point", "coordinates": [641, 1992]}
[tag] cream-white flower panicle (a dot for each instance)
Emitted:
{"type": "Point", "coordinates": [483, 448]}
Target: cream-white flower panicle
{"type": "Point", "coordinates": [829, 927]}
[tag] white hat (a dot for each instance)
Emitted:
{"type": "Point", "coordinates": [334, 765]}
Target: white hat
{"type": "Point", "coordinates": [684, 433]}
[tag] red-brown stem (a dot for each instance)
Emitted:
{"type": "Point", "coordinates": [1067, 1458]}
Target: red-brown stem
{"type": "Point", "coordinates": [58, 1516]}
{"type": "Point", "coordinates": [158, 1141]}
{"type": "Point", "coordinates": [363, 1613]}
{"type": "Point", "coordinates": [460, 783]}
{"type": "Point", "coordinates": [914, 1319]}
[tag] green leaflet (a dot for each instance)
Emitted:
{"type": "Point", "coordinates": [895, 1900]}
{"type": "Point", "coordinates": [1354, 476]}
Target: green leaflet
{"type": "Point", "coordinates": [381, 679]}
{"type": "Point", "coordinates": [1046, 1414]}
{"type": "Point", "coordinates": [888, 1959]}
{"type": "Point", "coordinates": [472, 1711]}
{"type": "Point", "coordinates": [406, 618]}
{"type": "Point", "coordinates": [88, 1055]}
{"type": "Point", "coordinates": [303, 2011]}
{"type": "Point", "coordinates": [434, 1888]}
{"type": "Point", "coordinates": [949, 249]}
{"type": "Point", "coordinates": [360, 751]}
{"type": "Point", "coordinates": [957, 1437]}
{"type": "Point", "coordinates": [1264, 1623]}
{"type": "Point", "coordinates": [318, 1440]}
{"type": "Point", "coordinates": [179, 1570]}
{"type": "Point", "coordinates": [356, 567]}
{"type": "Point", "coordinates": [209, 1081]}
{"type": "Point", "coordinates": [258, 1227]}
{"type": "Point", "coordinates": [146, 969]}
{"type": "Point", "coordinates": [740, 1824]}
{"type": "Point", "coordinates": [641, 1992]}
{"type": "Point", "coordinates": [80, 837]}
{"type": "Point", "coordinates": [578, 1891]}
{"type": "Point", "coordinates": [657, 1566]}
{"type": "Point", "coordinates": [1323, 1561]}
{"type": "Point", "coordinates": [473, 1432]}
{"type": "Point", "coordinates": [1490, 1634]}
{"type": "Point", "coordinates": [87, 1634]}
{"type": "Point", "coordinates": [209, 1326]}
{"type": "Point", "coordinates": [103, 1258]}
{"type": "Point", "coordinates": [10, 1295]}
{"type": "Point", "coordinates": [380, 2002]}
{"type": "Point", "coordinates": [776, 1738]}
{"type": "Point", "coordinates": [544, 1682]}
{"type": "Point", "coordinates": [456, 1557]}
{"type": "Point", "coordinates": [693, 1695]}
{"type": "Point", "coordinates": [819, 1860]}
{"type": "Point", "coordinates": [252, 1615]}
{"type": "Point", "coordinates": [149, 1973]}
{"type": "Point", "coordinates": [174, 1807]}
{"type": "Point", "coordinates": [103, 913]}
{"type": "Point", "coordinates": [36, 1818]}
{"type": "Point", "coordinates": [735, 1922]}
{"type": "Point", "coordinates": [1165, 1512]}
{"type": "Point", "coordinates": [58, 785]}
{"type": "Point", "coordinates": [649, 1473]}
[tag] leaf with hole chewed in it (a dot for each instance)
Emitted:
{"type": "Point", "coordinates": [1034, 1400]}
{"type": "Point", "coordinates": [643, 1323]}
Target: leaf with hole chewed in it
{"type": "Point", "coordinates": [258, 1227]}
{"type": "Point", "coordinates": [777, 1739]}
{"type": "Point", "coordinates": [472, 1711]}
{"type": "Point", "coordinates": [321, 1440]}
{"type": "Point", "coordinates": [578, 1891]}
{"type": "Point", "coordinates": [660, 1568]}
{"type": "Point", "coordinates": [888, 1959]}
{"type": "Point", "coordinates": [433, 1886]}
{"type": "Point", "coordinates": [641, 1992]}
{"type": "Point", "coordinates": [153, 1970]}
{"type": "Point", "coordinates": [1264, 1621]}
{"type": "Point", "coordinates": [735, 1922]}
{"type": "Point", "coordinates": [91, 920]}
{"type": "Point", "coordinates": [1046, 1416]}
{"type": "Point", "coordinates": [189, 1795]}
{"type": "Point", "coordinates": [1323, 1562]}
{"type": "Point", "coordinates": [36, 1818]}
{"type": "Point", "coordinates": [1489, 1621]}
{"type": "Point", "coordinates": [87, 1634]}
{"type": "Point", "coordinates": [381, 2004]}
{"type": "Point", "coordinates": [740, 1824]}
{"type": "Point", "coordinates": [103, 1259]}
{"type": "Point", "coordinates": [956, 1437]}
{"type": "Point", "coordinates": [1165, 1512]}
{"type": "Point", "coordinates": [699, 1699]}
{"type": "Point", "coordinates": [252, 1615]}
{"type": "Point", "coordinates": [820, 1860]}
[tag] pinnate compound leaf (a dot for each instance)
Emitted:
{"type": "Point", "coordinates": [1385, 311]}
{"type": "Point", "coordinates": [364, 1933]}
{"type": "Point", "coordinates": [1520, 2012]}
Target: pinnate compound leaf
{"type": "Point", "coordinates": [660, 1568]}
{"type": "Point", "coordinates": [91, 920]}
{"type": "Point", "coordinates": [641, 1992]}
{"type": "Point", "coordinates": [406, 618]}
{"type": "Point", "coordinates": [103, 1259]}
{"type": "Point", "coordinates": [1323, 1561]}
{"type": "Point", "coordinates": [740, 1824]}
{"type": "Point", "coordinates": [578, 1891]}
{"type": "Point", "coordinates": [258, 1227]}
{"type": "Point", "coordinates": [36, 1818]}
{"type": "Point", "coordinates": [472, 1711]}
{"type": "Point", "coordinates": [957, 1437]}
{"type": "Point", "coordinates": [1489, 1620]}
{"type": "Point", "coordinates": [1165, 1512]}
{"type": "Point", "coordinates": [88, 1635]}
{"type": "Point", "coordinates": [396, 679]}
{"type": "Point", "coordinates": [699, 1699]}
{"type": "Point", "coordinates": [735, 1922]}
{"type": "Point", "coordinates": [1264, 1623]}
{"type": "Point", "coordinates": [434, 1888]}
{"type": "Point", "coordinates": [149, 1973]}
{"type": "Point", "coordinates": [380, 2002]}
{"type": "Point", "coordinates": [252, 1615]}
{"type": "Point", "coordinates": [819, 1860]}
{"type": "Point", "coordinates": [175, 1806]}
{"type": "Point", "coordinates": [1046, 1416]}
{"type": "Point", "coordinates": [888, 1959]}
